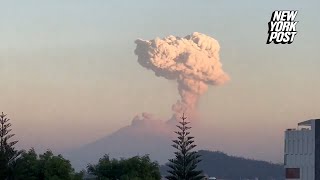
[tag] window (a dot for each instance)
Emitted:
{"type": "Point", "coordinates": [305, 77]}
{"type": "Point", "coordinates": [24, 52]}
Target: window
{"type": "Point", "coordinates": [293, 173]}
{"type": "Point", "coordinates": [285, 159]}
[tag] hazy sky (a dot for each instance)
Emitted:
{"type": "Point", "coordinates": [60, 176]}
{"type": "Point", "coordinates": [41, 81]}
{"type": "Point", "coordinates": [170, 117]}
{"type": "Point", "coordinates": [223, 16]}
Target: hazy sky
{"type": "Point", "coordinates": [69, 75]}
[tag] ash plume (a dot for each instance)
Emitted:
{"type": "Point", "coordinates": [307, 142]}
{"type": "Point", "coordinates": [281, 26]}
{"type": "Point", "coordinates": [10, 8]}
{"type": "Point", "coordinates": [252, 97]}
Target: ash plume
{"type": "Point", "coordinates": [193, 61]}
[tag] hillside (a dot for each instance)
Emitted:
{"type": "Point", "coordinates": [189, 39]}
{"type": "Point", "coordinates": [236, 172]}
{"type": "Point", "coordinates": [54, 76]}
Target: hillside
{"type": "Point", "coordinates": [221, 165]}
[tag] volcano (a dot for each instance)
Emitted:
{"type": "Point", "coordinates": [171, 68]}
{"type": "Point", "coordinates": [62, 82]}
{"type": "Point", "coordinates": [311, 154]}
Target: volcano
{"type": "Point", "coordinates": [145, 136]}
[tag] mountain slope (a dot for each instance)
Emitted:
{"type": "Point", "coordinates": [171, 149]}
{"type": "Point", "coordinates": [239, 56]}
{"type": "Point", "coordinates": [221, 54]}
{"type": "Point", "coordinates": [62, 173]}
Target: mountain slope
{"type": "Point", "coordinates": [141, 137]}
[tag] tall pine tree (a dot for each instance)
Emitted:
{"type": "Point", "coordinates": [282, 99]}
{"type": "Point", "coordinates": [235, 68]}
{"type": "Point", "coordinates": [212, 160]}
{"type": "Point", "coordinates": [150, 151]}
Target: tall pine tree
{"type": "Point", "coordinates": [8, 154]}
{"type": "Point", "coordinates": [183, 166]}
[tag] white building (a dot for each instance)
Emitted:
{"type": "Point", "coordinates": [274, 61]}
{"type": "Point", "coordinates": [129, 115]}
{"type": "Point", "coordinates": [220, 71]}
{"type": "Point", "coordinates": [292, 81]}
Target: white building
{"type": "Point", "coordinates": [302, 151]}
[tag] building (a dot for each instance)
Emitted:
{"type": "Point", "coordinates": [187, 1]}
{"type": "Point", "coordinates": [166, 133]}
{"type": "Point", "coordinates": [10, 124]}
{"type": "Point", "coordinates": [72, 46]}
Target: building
{"type": "Point", "coordinates": [302, 151]}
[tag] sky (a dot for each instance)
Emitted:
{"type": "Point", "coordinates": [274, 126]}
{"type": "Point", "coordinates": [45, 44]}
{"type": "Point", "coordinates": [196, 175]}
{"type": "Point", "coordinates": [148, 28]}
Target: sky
{"type": "Point", "coordinates": [69, 75]}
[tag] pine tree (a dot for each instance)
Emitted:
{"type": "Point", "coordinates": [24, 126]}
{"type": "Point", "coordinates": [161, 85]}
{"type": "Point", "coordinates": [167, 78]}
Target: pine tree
{"type": "Point", "coordinates": [183, 166]}
{"type": "Point", "coordinates": [8, 154]}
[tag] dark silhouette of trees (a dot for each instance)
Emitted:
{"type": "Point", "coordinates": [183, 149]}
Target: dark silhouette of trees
{"type": "Point", "coordinates": [16, 164]}
{"type": "Point", "coordinates": [31, 166]}
{"type": "Point", "coordinates": [27, 166]}
{"type": "Point", "coordinates": [184, 166]}
{"type": "Point", "coordinates": [135, 168]}
{"type": "Point", "coordinates": [8, 154]}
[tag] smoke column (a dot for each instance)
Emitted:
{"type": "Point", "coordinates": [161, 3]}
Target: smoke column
{"type": "Point", "coordinates": [193, 61]}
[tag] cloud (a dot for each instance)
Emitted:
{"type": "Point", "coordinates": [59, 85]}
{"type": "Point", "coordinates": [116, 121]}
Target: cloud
{"type": "Point", "coordinates": [193, 61]}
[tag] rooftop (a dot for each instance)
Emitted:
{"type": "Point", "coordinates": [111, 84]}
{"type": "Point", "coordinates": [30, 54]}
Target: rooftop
{"type": "Point", "coordinates": [305, 123]}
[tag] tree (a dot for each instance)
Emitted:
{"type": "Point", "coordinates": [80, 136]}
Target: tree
{"type": "Point", "coordinates": [135, 168]}
{"type": "Point", "coordinates": [30, 166]}
{"type": "Point", "coordinates": [27, 166]}
{"type": "Point", "coordinates": [8, 154]}
{"type": "Point", "coordinates": [183, 166]}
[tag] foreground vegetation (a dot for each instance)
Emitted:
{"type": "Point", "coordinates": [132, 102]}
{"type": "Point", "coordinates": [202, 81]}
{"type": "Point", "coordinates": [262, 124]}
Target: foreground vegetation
{"type": "Point", "coordinates": [44, 166]}
{"type": "Point", "coordinates": [184, 165]}
{"type": "Point", "coordinates": [135, 168]}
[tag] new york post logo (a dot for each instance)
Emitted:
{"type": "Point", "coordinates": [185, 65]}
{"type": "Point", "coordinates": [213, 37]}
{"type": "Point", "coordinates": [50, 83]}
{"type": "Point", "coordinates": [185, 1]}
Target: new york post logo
{"type": "Point", "coordinates": [282, 27]}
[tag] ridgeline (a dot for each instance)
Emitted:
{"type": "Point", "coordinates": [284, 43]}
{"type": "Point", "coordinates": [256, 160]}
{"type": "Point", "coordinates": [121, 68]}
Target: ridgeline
{"type": "Point", "coordinates": [222, 166]}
